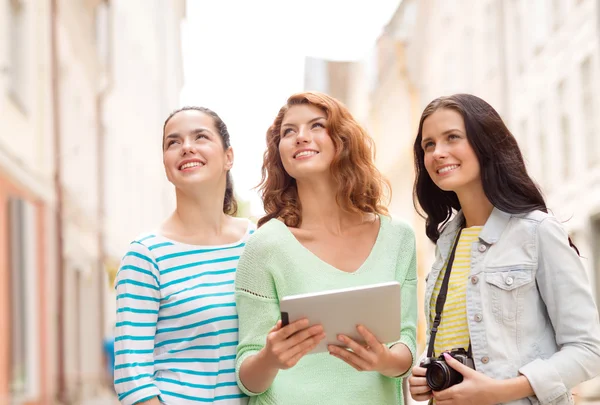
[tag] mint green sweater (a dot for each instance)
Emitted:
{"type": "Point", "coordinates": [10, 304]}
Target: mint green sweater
{"type": "Point", "coordinates": [275, 264]}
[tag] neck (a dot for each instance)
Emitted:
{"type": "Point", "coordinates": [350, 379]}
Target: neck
{"type": "Point", "coordinates": [199, 211]}
{"type": "Point", "coordinates": [475, 206]}
{"type": "Point", "coordinates": [320, 209]}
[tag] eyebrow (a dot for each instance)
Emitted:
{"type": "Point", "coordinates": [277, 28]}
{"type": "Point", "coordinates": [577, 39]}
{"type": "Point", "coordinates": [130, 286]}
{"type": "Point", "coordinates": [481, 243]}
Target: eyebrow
{"type": "Point", "coordinates": [447, 132]}
{"type": "Point", "coordinates": [288, 124]}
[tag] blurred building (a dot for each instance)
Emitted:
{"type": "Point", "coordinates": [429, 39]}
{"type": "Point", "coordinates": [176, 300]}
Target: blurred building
{"type": "Point", "coordinates": [537, 62]}
{"type": "Point", "coordinates": [84, 89]}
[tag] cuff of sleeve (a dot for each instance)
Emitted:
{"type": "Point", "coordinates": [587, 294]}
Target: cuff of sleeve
{"type": "Point", "coordinates": [412, 347]}
{"type": "Point", "coordinates": [238, 366]}
{"type": "Point", "coordinates": [139, 394]}
{"type": "Point", "coordinates": [545, 381]}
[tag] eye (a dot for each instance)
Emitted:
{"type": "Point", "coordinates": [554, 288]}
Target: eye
{"type": "Point", "coordinates": [286, 131]}
{"type": "Point", "coordinates": [318, 124]}
{"type": "Point", "coordinates": [171, 142]}
{"type": "Point", "coordinates": [428, 145]}
{"type": "Point", "coordinates": [199, 136]}
{"type": "Point", "coordinates": [453, 136]}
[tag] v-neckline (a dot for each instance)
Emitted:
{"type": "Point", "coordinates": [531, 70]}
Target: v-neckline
{"type": "Point", "coordinates": [330, 266]}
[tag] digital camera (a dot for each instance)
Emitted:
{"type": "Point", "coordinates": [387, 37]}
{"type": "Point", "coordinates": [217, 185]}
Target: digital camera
{"type": "Point", "coordinates": [440, 375]}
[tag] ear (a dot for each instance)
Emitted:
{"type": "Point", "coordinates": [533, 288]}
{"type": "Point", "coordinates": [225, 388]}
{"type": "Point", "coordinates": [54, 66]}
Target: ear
{"type": "Point", "coordinates": [229, 158]}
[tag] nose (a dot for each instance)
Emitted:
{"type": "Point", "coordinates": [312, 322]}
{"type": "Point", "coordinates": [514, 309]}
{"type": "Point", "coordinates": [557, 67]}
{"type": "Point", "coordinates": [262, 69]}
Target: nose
{"type": "Point", "coordinates": [440, 151]}
{"type": "Point", "coordinates": [188, 146]}
{"type": "Point", "coordinates": [304, 135]}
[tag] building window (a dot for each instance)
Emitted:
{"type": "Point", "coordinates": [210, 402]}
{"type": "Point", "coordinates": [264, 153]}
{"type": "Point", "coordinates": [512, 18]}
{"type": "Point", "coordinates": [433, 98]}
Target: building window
{"type": "Point", "coordinates": [17, 53]}
{"type": "Point", "coordinates": [564, 127]}
{"type": "Point", "coordinates": [24, 331]}
{"type": "Point", "coordinates": [589, 119]}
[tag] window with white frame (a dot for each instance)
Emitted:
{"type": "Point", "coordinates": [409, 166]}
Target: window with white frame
{"type": "Point", "coordinates": [564, 127]}
{"type": "Point", "coordinates": [24, 329]}
{"type": "Point", "coordinates": [588, 110]}
{"type": "Point", "coordinates": [17, 52]}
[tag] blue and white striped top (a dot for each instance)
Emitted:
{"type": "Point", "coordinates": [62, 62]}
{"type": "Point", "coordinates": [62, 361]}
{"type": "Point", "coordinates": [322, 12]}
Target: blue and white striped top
{"type": "Point", "coordinates": [177, 326]}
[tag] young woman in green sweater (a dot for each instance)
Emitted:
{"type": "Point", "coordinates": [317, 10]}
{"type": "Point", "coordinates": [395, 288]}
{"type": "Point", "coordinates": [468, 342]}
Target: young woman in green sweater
{"type": "Point", "coordinates": [325, 228]}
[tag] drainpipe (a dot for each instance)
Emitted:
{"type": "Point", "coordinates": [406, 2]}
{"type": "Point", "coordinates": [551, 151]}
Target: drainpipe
{"type": "Point", "coordinates": [60, 262]}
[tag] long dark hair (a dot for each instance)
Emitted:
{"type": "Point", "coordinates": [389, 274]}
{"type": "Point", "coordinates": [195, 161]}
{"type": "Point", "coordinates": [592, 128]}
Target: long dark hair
{"type": "Point", "coordinates": [230, 205]}
{"type": "Point", "coordinates": [503, 173]}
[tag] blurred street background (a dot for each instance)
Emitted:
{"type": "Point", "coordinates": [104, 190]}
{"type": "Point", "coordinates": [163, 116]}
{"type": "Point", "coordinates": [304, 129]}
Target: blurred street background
{"type": "Point", "coordinates": [85, 86]}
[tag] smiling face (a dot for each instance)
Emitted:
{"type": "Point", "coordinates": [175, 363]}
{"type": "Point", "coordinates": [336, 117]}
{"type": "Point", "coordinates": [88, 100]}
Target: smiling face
{"type": "Point", "coordinates": [305, 147]}
{"type": "Point", "coordinates": [193, 150]}
{"type": "Point", "coordinates": [449, 158]}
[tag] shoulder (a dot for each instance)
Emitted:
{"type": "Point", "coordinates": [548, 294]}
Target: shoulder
{"type": "Point", "coordinates": [397, 227]}
{"type": "Point", "coordinates": [269, 233]}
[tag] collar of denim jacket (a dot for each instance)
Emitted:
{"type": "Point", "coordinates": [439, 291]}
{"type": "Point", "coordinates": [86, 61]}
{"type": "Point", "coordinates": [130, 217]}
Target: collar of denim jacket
{"type": "Point", "coordinates": [490, 233]}
{"type": "Point", "coordinates": [494, 226]}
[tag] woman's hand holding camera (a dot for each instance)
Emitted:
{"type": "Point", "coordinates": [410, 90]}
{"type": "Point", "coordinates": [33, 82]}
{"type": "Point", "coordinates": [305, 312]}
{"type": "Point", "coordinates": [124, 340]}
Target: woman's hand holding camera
{"type": "Point", "coordinates": [374, 356]}
{"type": "Point", "coordinates": [475, 389]}
{"type": "Point", "coordinates": [419, 390]}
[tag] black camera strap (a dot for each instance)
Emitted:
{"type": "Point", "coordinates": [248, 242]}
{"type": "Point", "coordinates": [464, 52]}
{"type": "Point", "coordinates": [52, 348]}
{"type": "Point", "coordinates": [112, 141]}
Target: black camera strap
{"type": "Point", "coordinates": [441, 298]}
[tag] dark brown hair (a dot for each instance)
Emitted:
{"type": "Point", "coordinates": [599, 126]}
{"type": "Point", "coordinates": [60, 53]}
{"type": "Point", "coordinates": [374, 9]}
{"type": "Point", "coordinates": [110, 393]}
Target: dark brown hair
{"type": "Point", "coordinates": [230, 205]}
{"type": "Point", "coordinates": [504, 176]}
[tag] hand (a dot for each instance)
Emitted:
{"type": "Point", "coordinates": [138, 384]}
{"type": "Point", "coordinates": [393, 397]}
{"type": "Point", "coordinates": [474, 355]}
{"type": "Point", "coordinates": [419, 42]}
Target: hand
{"type": "Point", "coordinates": [286, 346]}
{"type": "Point", "coordinates": [375, 356]}
{"type": "Point", "coordinates": [419, 390]}
{"type": "Point", "coordinates": [475, 389]}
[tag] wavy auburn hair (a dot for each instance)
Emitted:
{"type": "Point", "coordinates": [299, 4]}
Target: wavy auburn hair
{"type": "Point", "coordinates": [361, 187]}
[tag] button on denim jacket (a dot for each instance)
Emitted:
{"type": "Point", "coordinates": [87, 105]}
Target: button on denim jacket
{"type": "Point", "coordinates": [529, 305]}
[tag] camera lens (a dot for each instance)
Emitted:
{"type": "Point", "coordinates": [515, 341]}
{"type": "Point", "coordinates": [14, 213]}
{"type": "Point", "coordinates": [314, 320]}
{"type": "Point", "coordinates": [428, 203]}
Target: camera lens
{"type": "Point", "coordinates": [438, 376]}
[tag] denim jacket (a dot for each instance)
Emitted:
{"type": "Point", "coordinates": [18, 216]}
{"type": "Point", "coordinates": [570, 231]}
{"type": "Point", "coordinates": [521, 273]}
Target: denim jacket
{"type": "Point", "coordinates": [529, 305]}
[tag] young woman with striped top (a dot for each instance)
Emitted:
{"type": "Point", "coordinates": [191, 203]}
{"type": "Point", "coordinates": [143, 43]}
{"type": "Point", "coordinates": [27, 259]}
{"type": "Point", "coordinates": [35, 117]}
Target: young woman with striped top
{"type": "Point", "coordinates": [177, 325]}
{"type": "Point", "coordinates": [518, 299]}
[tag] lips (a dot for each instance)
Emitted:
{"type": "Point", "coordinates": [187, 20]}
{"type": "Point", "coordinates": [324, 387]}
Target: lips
{"type": "Point", "coordinates": [447, 169]}
{"type": "Point", "coordinates": [305, 153]}
{"type": "Point", "coordinates": [189, 164]}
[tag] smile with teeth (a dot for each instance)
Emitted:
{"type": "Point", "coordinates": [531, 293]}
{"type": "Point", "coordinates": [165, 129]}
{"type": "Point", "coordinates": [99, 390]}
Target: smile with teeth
{"type": "Point", "coordinates": [190, 164]}
{"type": "Point", "coordinates": [305, 153]}
{"type": "Point", "coordinates": [447, 169]}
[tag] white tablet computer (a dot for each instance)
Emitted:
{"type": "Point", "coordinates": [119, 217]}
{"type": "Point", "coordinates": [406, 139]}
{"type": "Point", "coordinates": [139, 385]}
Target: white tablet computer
{"type": "Point", "coordinates": [375, 306]}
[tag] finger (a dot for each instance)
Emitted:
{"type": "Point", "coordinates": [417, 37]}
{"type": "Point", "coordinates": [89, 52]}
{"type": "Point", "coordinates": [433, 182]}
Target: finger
{"type": "Point", "coordinates": [419, 371]}
{"type": "Point", "coordinates": [303, 335]}
{"type": "Point", "coordinates": [370, 339]}
{"type": "Point", "coordinates": [293, 327]}
{"type": "Point", "coordinates": [302, 347]}
{"type": "Point", "coordinates": [350, 357]}
{"type": "Point", "coordinates": [444, 395]}
{"type": "Point", "coordinates": [276, 327]}
{"type": "Point", "coordinates": [359, 349]}
{"type": "Point", "coordinates": [421, 397]}
{"type": "Point", "coordinates": [354, 366]}
{"type": "Point", "coordinates": [457, 365]}
{"type": "Point", "coordinates": [419, 389]}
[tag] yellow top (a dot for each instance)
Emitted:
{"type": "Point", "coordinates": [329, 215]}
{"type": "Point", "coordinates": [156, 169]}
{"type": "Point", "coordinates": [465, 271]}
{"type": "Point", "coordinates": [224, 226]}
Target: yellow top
{"type": "Point", "coordinates": [453, 331]}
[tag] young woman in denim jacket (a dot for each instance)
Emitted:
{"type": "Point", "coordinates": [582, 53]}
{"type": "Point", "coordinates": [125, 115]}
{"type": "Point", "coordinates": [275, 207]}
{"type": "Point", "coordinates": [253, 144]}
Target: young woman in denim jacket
{"type": "Point", "coordinates": [525, 305]}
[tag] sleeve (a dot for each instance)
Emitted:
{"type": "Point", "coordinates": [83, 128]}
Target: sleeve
{"type": "Point", "coordinates": [407, 277]}
{"type": "Point", "coordinates": [138, 300]}
{"type": "Point", "coordinates": [564, 287]}
{"type": "Point", "coordinates": [257, 303]}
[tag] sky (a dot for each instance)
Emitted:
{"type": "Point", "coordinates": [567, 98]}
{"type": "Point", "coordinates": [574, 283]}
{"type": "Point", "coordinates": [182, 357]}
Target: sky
{"type": "Point", "coordinates": [243, 59]}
